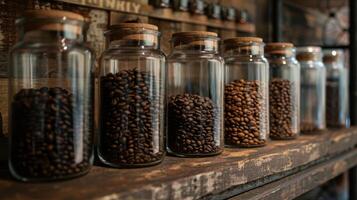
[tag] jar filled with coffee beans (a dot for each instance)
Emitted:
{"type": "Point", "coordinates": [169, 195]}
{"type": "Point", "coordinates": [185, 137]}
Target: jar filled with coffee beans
{"type": "Point", "coordinates": [337, 95]}
{"type": "Point", "coordinates": [284, 91]}
{"type": "Point", "coordinates": [132, 86]}
{"type": "Point", "coordinates": [313, 89]}
{"type": "Point", "coordinates": [246, 92]}
{"type": "Point", "coordinates": [51, 90]}
{"type": "Point", "coordinates": [195, 95]}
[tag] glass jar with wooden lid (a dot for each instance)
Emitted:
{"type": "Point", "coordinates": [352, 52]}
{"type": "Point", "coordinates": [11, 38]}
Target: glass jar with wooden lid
{"type": "Point", "coordinates": [51, 90]}
{"type": "Point", "coordinates": [246, 92]}
{"type": "Point", "coordinates": [337, 95]}
{"type": "Point", "coordinates": [284, 91]}
{"type": "Point", "coordinates": [132, 92]}
{"type": "Point", "coordinates": [313, 89]}
{"type": "Point", "coordinates": [195, 95]}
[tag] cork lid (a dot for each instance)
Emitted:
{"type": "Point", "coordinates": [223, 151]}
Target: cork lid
{"type": "Point", "coordinates": [53, 14]}
{"type": "Point", "coordinates": [282, 48]}
{"type": "Point", "coordinates": [308, 53]}
{"type": "Point", "coordinates": [52, 20]}
{"type": "Point", "coordinates": [128, 33]}
{"type": "Point", "coordinates": [195, 39]}
{"type": "Point", "coordinates": [195, 34]}
{"type": "Point", "coordinates": [133, 26]}
{"type": "Point", "coordinates": [331, 56]}
{"type": "Point", "coordinates": [243, 40]}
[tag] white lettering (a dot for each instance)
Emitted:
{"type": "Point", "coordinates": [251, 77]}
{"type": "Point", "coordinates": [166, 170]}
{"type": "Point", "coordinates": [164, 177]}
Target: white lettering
{"type": "Point", "coordinates": [136, 7]}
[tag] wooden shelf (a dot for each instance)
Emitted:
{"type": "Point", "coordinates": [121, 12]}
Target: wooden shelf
{"type": "Point", "coordinates": [143, 9]}
{"type": "Point", "coordinates": [279, 167]}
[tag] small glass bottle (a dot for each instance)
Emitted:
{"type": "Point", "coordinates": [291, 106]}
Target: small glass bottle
{"type": "Point", "coordinates": [313, 89]}
{"type": "Point", "coordinates": [51, 94]}
{"type": "Point", "coordinates": [284, 91]}
{"type": "Point", "coordinates": [337, 103]}
{"type": "Point", "coordinates": [132, 92]}
{"type": "Point", "coordinates": [246, 92]}
{"type": "Point", "coordinates": [195, 95]}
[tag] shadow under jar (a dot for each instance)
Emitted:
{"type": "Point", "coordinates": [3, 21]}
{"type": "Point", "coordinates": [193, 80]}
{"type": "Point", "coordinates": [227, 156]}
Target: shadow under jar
{"type": "Point", "coordinates": [313, 89]}
{"type": "Point", "coordinates": [132, 86]}
{"type": "Point", "coordinates": [337, 103]}
{"type": "Point", "coordinates": [246, 92]}
{"type": "Point", "coordinates": [284, 91]}
{"type": "Point", "coordinates": [51, 86]}
{"type": "Point", "coordinates": [195, 95]}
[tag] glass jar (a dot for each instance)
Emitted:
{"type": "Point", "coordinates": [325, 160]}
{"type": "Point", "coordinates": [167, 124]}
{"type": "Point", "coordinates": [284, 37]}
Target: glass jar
{"type": "Point", "coordinates": [284, 91]}
{"type": "Point", "coordinates": [51, 86]}
{"type": "Point", "coordinates": [132, 87]}
{"type": "Point", "coordinates": [336, 89]}
{"type": "Point", "coordinates": [195, 95]}
{"type": "Point", "coordinates": [246, 92]}
{"type": "Point", "coordinates": [313, 89]}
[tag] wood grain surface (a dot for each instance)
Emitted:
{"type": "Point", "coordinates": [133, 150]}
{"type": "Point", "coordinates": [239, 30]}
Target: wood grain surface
{"type": "Point", "coordinates": [226, 175]}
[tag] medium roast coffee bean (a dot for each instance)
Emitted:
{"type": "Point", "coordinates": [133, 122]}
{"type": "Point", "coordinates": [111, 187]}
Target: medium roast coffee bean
{"type": "Point", "coordinates": [50, 139]}
{"type": "Point", "coordinates": [130, 125]}
{"type": "Point", "coordinates": [244, 114]}
{"type": "Point", "coordinates": [282, 110]}
{"type": "Point", "coordinates": [193, 125]}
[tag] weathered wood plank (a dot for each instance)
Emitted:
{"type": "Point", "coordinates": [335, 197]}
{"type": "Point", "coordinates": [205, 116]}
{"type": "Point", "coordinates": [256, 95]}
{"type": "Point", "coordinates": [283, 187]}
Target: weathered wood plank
{"type": "Point", "coordinates": [139, 8]}
{"type": "Point", "coordinates": [295, 185]}
{"type": "Point", "coordinates": [189, 178]}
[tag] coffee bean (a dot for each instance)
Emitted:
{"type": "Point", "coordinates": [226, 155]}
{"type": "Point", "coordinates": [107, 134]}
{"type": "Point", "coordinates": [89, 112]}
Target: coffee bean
{"type": "Point", "coordinates": [244, 113]}
{"type": "Point", "coordinates": [131, 131]}
{"type": "Point", "coordinates": [194, 129]}
{"type": "Point", "coordinates": [283, 109]}
{"type": "Point", "coordinates": [332, 104]}
{"type": "Point", "coordinates": [42, 145]}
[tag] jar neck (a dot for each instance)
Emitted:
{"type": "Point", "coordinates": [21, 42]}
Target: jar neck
{"type": "Point", "coordinates": [244, 49]}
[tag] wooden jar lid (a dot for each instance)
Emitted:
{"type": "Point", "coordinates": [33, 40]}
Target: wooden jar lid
{"type": "Point", "coordinates": [131, 32]}
{"type": "Point", "coordinates": [53, 14]}
{"type": "Point", "coordinates": [243, 40]}
{"type": "Point", "coordinates": [195, 38]}
{"type": "Point", "coordinates": [282, 48]}
{"type": "Point", "coordinates": [48, 25]}
{"type": "Point", "coordinates": [308, 53]}
{"type": "Point", "coordinates": [194, 34]}
{"type": "Point", "coordinates": [134, 26]}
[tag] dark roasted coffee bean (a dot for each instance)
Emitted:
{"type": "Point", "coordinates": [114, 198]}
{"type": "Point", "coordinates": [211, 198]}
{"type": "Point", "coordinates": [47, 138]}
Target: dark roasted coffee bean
{"type": "Point", "coordinates": [130, 119]}
{"type": "Point", "coordinates": [244, 108]}
{"type": "Point", "coordinates": [283, 109]}
{"type": "Point", "coordinates": [332, 104]}
{"type": "Point", "coordinates": [47, 133]}
{"type": "Point", "coordinates": [193, 125]}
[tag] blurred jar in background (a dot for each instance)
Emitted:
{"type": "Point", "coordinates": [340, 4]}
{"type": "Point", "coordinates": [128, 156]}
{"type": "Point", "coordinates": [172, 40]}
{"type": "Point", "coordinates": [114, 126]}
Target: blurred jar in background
{"type": "Point", "coordinates": [313, 89]}
{"type": "Point", "coordinates": [337, 103]}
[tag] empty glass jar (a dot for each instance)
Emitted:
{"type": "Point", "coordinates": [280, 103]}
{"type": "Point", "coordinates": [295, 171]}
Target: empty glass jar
{"type": "Point", "coordinates": [51, 86]}
{"type": "Point", "coordinates": [313, 89]}
{"type": "Point", "coordinates": [336, 89]}
{"type": "Point", "coordinates": [195, 95]}
{"type": "Point", "coordinates": [284, 91]}
{"type": "Point", "coordinates": [246, 92]}
{"type": "Point", "coordinates": [132, 86]}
